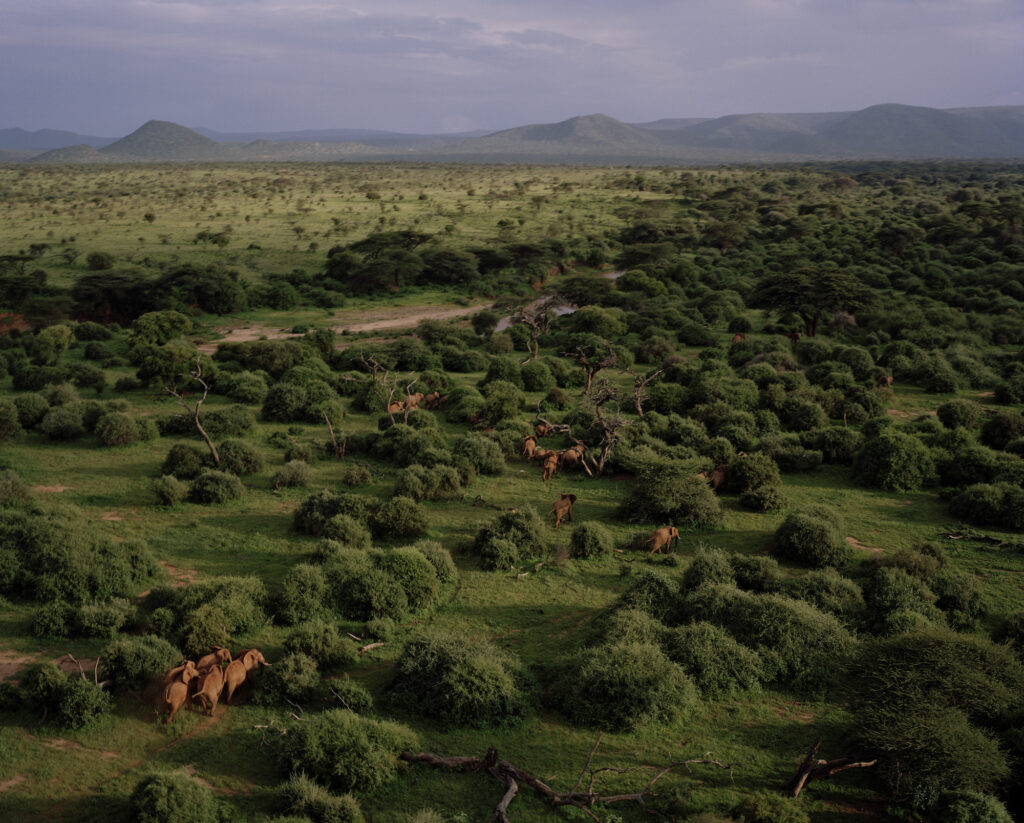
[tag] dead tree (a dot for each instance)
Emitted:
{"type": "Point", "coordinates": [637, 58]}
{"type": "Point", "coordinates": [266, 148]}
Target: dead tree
{"type": "Point", "coordinates": [537, 317]}
{"type": "Point", "coordinates": [197, 375]}
{"type": "Point", "coordinates": [640, 382]}
{"type": "Point", "coordinates": [612, 422]}
{"type": "Point", "coordinates": [339, 450]}
{"type": "Point", "coordinates": [812, 768]}
{"type": "Point", "coordinates": [387, 389]}
{"type": "Point", "coordinates": [592, 362]}
{"type": "Point", "coordinates": [510, 776]}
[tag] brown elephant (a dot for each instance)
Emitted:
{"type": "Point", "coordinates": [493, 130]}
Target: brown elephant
{"type": "Point", "coordinates": [885, 380]}
{"type": "Point", "coordinates": [237, 671]}
{"type": "Point", "coordinates": [562, 508]}
{"type": "Point", "coordinates": [663, 538]}
{"type": "Point", "coordinates": [739, 337]}
{"type": "Point", "coordinates": [529, 446]}
{"type": "Point", "coordinates": [176, 692]}
{"type": "Point", "coordinates": [177, 673]}
{"type": "Point", "coordinates": [542, 429]}
{"type": "Point", "coordinates": [794, 336]}
{"type": "Point", "coordinates": [210, 685]}
{"type": "Point", "coordinates": [717, 477]}
{"type": "Point", "coordinates": [571, 456]}
{"type": "Point", "coordinates": [218, 656]}
{"type": "Point", "coordinates": [430, 400]}
{"type": "Point", "coordinates": [540, 455]}
{"type": "Point", "coordinates": [412, 401]}
{"type": "Point", "coordinates": [550, 466]}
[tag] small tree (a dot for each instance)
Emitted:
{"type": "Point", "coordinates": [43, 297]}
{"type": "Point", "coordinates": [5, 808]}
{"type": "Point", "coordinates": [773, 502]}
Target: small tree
{"type": "Point", "coordinates": [193, 410]}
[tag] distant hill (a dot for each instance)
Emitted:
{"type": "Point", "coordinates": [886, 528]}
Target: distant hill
{"type": "Point", "coordinates": [888, 131]}
{"type": "Point", "coordinates": [160, 140]}
{"type": "Point", "coordinates": [45, 139]}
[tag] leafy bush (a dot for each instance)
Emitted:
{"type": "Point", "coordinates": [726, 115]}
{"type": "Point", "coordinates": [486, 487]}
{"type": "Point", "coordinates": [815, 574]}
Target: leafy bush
{"type": "Point", "coordinates": [302, 796]}
{"type": "Point", "coordinates": [482, 453]}
{"type": "Point", "coordinates": [240, 457]}
{"type": "Point", "coordinates": [829, 591]}
{"type": "Point", "coordinates": [590, 540]}
{"type": "Point", "coordinates": [132, 661]}
{"type": "Point", "coordinates": [772, 808]}
{"type": "Point", "coordinates": [671, 493]}
{"type": "Point", "coordinates": [242, 601]}
{"type": "Point", "coordinates": [203, 629]}
{"type": "Point", "coordinates": [355, 474]}
{"type": "Point", "coordinates": [173, 797]}
{"type": "Point", "coordinates": [764, 499]}
{"type": "Point", "coordinates": [894, 461]}
{"type": "Point", "coordinates": [32, 408]}
{"type": "Point", "coordinates": [369, 594]}
{"type": "Point", "coordinates": [812, 535]}
{"type": "Point", "coordinates": [303, 591]}
{"type": "Point", "coordinates": [718, 664]}
{"type": "Point", "coordinates": [399, 518]}
{"type": "Point", "coordinates": [52, 619]}
{"type": "Point", "coordinates": [959, 412]}
{"type": "Point", "coordinates": [184, 462]}
{"type": "Point", "coordinates": [752, 472]}
{"type": "Point", "coordinates": [10, 423]}
{"type": "Point", "coordinates": [322, 641]}
{"type": "Point", "coordinates": [970, 807]}
{"type": "Point", "coordinates": [461, 681]}
{"type": "Point", "coordinates": [63, 423]}
{"type": "Point", "coordinates": [709, 565]}
{"type": "Point", "coordinates": [117, 429]}
{"type": "Point", "coordinates": [169, 490]}
{"type": "Point", "coordinates": [213, 486]}
{"type": "Point", "coordinates": [999, 429]}
{"type": "Point", "coordinates": [345, 751]}
{"type": "Point", "coordinates": [511, 535]}
{"type": "Point", "coordinates": [294, 677]}
{"type": "Point", "coordinates": [891, 591]}
{"type": "Point", "coordinates": [414, 573]}
{"type": "Point", "coordinates": [650, 593]}
{"type": "Point", "coordinates": [440, 558]}
{"type": "Point", "coordinates": [80, 704]}
{"type": "Point", "coordinates": [537, 376]}
{"type": "Point", "coordinates": [623, 685]}
{"type": "Point", "coordinates": [291, 474]}
{"type": "Point", "coordinates": [102, 620]}
{"type": "Point", "coordinates": [13, 490]}
{"type": "Point", "coordinates": [346, 531]}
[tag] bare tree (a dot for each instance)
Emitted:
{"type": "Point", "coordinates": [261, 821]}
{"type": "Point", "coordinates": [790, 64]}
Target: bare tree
{"type": "Point", "coordinates": [640, 383]}
{"type": "Point", "coordinates": [387, 388]}
{"type": "Point", "coordinates": [592, 362]}
{"type": "Point", "coordinates": [197, 375]}
{"type": "Point", "coordinates": [612, 422]}
{"type": "Point", "coordinates": [537, 317]}
{"type": "Point", "coordinates": [812, 768]}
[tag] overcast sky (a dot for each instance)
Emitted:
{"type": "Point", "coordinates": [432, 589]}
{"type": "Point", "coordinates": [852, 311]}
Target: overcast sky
{"type": "Point", "coordinates": [104, 67]}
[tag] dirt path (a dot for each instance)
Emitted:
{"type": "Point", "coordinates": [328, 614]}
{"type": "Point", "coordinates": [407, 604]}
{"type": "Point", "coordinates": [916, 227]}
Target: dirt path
{"type": "Point", "coordinates": [394, 317]}
{"type": "Point", "coordinates": [853, 541]}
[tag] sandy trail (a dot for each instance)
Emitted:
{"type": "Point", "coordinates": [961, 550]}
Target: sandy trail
{"type": "Point", "coordinates": [395, 317]}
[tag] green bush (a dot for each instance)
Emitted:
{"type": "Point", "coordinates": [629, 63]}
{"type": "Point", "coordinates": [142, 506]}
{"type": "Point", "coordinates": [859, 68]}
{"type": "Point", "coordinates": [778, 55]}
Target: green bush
{"type": "Point", "coordinates": [63, 423]}
{"type": "Point", "coordinates": [369, 594]}
{"type": "Point", "coordinates": [970, 807]}
{"type": "Point", "coordinates": [240, 457]}
{"type": "Point", "coordinates": [102, 620]}
{"type": "Point", "coordinates": [131, 662]}
{"type": "Point", "coordinates": [764, 499]}
{"type": "Point", "coordinates": [755, 573]}
{"type": "Point", "coordinates": [999, 429]}
{"type": "Point", "coordinates": [650, 593]}
{"type": "Point", "coordinates": [828, 590]}
{"type": "Point", "coordinates": [345, 751]}
{"type": "Point", "coordinates": [10, 423]}
{"type": "Point", "coordinates": [590, 540]}
{"type": "Point", "coordinates": [323, 642]}
{"type": "Point", "coordinates": [302, 796]}
{"type": "Point", "coordinates": [184, 462]}
{"type": "Point", "coordinates": [169, 490]}
{"type": "Point", "coordinates": [173, 797]}
{"type": "Point", "coordinates": [52, 619]}
{"type": "Point", "coordinates": [509, 537]}
{"type": "Point", "coordinates": [709, 565]}
{"type": "Point", "coordinates": [292, 474]}
{"type": "Point", "coordinates": [13, 490]}
{"type": "Point", "coordinates": [461, 681]}
{"type": "Point", "coordinates": [671, 493]}
{"type": "Point", "coordinates": [117, 429]}
{"type": "Point", "coordinates": [414, 573]}
{"type": "Point", "coordinates": [537, 376]}
{"type": "Point", "coordinates": [628, 626]}
{"type": "Point", "coordinates": [752, 472]}
{"type": "Point", "coordinates": [718, 664]}
{"type": "Point", "coordinates": [347, 531]}
{"type": "Point", "coordinates": [812, 535]}
{"type": "Point", "coordinates": [959, 412]}
{"type": "Point", "coordinates": [894, 461]}
{"type": "Point", "coordinates": [351, 695]}
{"type": "Point", "coordinates": [399, 518]}
{"type": "Point", "coordinates": [440, 558]}
{"type": "Point", "coordinates": [481, 452]}
{"type": "Point", "coordinates": [891, 590]}
{"type": "Point", "coordinates": [242, 600]}
{"type": "Point", "coordinates": [213, 486]}
{"type": "Point", "coordinates": [80, 703]}
{"type": "Point", "coordinates": [623, 685]}
{"type": "Point", "coordinates": [294, 677]}
{"type": "Point", "coordinates": [772, 808]}
{"type": "Point", "coordinates": [302, 596]}
{"type": "Point", "coordinates": [32, 408]}
{"type": "Point", "coordinates": [42, 685]}
{"type": "Point", "coordinates": [203, 629]}
{"type": "Point", "coordinates": [355, 474]}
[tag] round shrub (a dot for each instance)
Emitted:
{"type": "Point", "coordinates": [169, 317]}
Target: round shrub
{"type": "Point", "coordinates": [32, 408]}
{"type": "Point", "coordinates": [800, 414]}
{"type": "Point", "coordinates": [537, 376]}
{"type": "Point", "coordinates": [10, 423]}
{"type": "Point", "coordinates": [52, 619]}
{"type": "Point", "coordinates": [63, 423]}
{"type": "Point", "coordinates": [650, 593]}
{"type": "Point", "coordinates": [523, 532]}
{"type": "Point", "coordinates": [80, 704]}
{"type": "Point", "coordinates": [117, 429]}
{"type": "Point", "coordinates": [812, 535]}
{"type": "Point", "coordinates": [752, 472]}
{"type": "Point", "coordinates": [971, 807]}
{"type": "Point", "coordinates": [299, 451]}
{"type": "Point", "coordinates": [399, 518]}
{"type": "Point", "coordinates": [132, 661]}
{"type": "Point", "coordinates": [303, 591]}
{"type": "Point", "coordinates": [184, 462]}
{"type": "Point", "coordinates": [414, 573]}
{"type": "Point", "coordinates": [302, 796]}
{"type": "Point", "coordinates": [346, 531]}
{"type": "Point", "coordinates": [498, 554]}
{"type": "Point", "coordinates": [169, 490]}
{"type": "Point", "coordinates": [248, 388]}
{"type": "Point", "coordinates": [829, 591]}
{"type": "Point", "coordinates": [623, 685]}
{"type": "Point", "coordinates": [351, 695]}
{"type": "Point", "coordinates": [755, 573]}
{"type": "Point", "coordinates": [239, 457]}
{"type": "Point", "coordinates": [999, 429]}
{"type": "Point", "coordinates": [671, 493]}
{"type": "Point", "coordinates": [355, 474]}
{"type": "Point", "coordinates": [718, 664]}
{"type": "Point", "coordinates": [323, 642]}
{"type": "Point", "coordinates": [590, 540]}
{"type": "Point", "coordinates": [460, 681]}
{"type": "Point", "coordinates": [502, 402]}
{"type": "Point", "coordinates": [959, 412]}
{"type": "Point", "coordinates": [292, 474]}
{"type": "Point", "coordinates": [203, 629]}
{"type": "Point", "coordinates": [440, 558]}
{"type": "Point", "coordinates": [372, 593]}
{"type": "Point", "coordinates": [710, 565]}
{"type": "Point", "coordinates": [380, 628]}
{"type": "Point", "coordinates": [894, 461]}
{"type": "Point", "coordinates": [980, 503]}
{"type": "Point", "coordinates": [173, 798]}
{"type": "Point", "coordinates": [345, 751]}
{"type": "Point", "coordinates": [772, 808]}
{"type": "Point", "coordinates": [483, 453]}
{"type": "Point", "coordinates": [294, 677]}
{"type": "Point", "coordinates": [764, 499]}
{"type": "Point", "coordinates": [102, 620]}
{"type": "Point", "coordinates": [215, 487]}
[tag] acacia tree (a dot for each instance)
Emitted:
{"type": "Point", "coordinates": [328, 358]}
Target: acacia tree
{"type": "Point", "coordinates": [811, 294]}
{"type": "Point", "coordinates": [593, 356]}
{"type": "Point", "coordinates": [640, 383]}
{"type": "Point", "coordinates": [537, 317]}
{"type": "Point", "coordinates": [197, 375]}
{"type": "Point", "coordinates": [611, 421]}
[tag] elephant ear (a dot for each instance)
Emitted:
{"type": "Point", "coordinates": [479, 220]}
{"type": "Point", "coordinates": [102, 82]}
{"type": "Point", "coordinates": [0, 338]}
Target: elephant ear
{"type": "Point", "coordinates": [572, 498]}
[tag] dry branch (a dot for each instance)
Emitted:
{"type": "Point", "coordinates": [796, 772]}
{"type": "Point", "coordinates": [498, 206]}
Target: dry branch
{"type": "Point", "coordinates": [812, 768]}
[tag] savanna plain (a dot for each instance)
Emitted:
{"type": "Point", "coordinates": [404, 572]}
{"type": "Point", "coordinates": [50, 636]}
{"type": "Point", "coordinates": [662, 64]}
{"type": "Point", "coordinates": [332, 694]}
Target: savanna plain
{"type": "Point", "coordinates": [334, 413]}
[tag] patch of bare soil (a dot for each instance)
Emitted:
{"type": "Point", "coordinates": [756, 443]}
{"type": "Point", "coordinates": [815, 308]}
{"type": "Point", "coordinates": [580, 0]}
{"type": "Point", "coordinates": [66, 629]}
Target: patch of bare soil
{"type": "Point", "coordinates": [11, 663]}
{"type": "Point", "coordinates": [792, 710]}
{"type": "Point", "coordinates": [862, 809]}
{"type": "Point", "coordinates": [51, 489]}
{"type": "Point", "coordinates": [10, 321]}
{"type": "Point", "coordinates": [853, 541]}
{"type": "Point", "coordinates": [395, 317]}
{"type": "Point", "coordinates": [17, 780]}
{"type": "Point", "coordinates": [180, 577]}
{"type": "Point", "coordinates": [898, 413]}
{"type": "Point", "coordinates": [190, 770]}
{"type": "Point", "coordinates": [72, 746]}
{"type": "Point", "coordinates": [110, 516]}
{"type": "Point", "coordinates": [985, 394]}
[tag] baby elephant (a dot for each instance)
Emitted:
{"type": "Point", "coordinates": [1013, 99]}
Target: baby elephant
{"type": "Point", "coordinates": [663, 538]}
{"type": "Point", "coordinates": [550, 466]}
{"type": "Point", "coordinates": [562, 508]}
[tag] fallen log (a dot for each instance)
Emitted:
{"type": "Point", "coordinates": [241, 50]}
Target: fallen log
{"type": "Point", "coordinates": [812, 768]}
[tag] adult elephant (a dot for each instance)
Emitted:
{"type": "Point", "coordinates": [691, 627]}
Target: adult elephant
{"type": "Point", "coordinates": [662, 538]}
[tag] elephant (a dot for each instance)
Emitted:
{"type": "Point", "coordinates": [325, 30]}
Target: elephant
{"type": "Point", "coordinates": [395, 408]}
{"type": "Point", "coordinates": [218, 656]}
{"type": "Point", "coordinates": [885, 380]}
{"type": "Point", "coordinates": [739, 337]}
{"type": "Point", "coordinates": [562, 508]}
{"type": "Point", "coordinates": [237, 671]}
{"type": "Point", "coordinates": [540, 455]}
{"type": "Point", "coordinates": [794, 336]}
{"type": "Point", "coordinates": [542, 429]}
{"type": "Point", "coordinates": [529, 446]}
{"type": "Point", "coordinates": [211, 684]}
{"type": "Point", "coordinates": [550, 466]}
{"type": "Point", "coordinates": [571, 456]}
{"type": "Point", "coordinates": [178, 673]}
{"type": "Point", "coordinates": [717, 477]}
{"type": "Point", "coordinates": [412, 401]}
{"type": "Point", "coordinates": [430, 399]}
{"type": "Point", "coordinates": [176, 692]}
{"type": "Point", "coordinates": [663, 537]}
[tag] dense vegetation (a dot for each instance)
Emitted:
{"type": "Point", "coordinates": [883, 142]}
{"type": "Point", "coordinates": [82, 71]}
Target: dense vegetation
{"type": "Point", "coordinates": [814, 374]}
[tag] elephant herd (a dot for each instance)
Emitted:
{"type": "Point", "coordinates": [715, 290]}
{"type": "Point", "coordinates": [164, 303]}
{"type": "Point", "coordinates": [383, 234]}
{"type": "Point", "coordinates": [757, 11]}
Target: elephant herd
{"type": "Point", "coordinates": [207, 678]}
{"type": "Point", "coordinates": [417, 400]}
{"type": "Point", "coordinates": [550, 460]}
